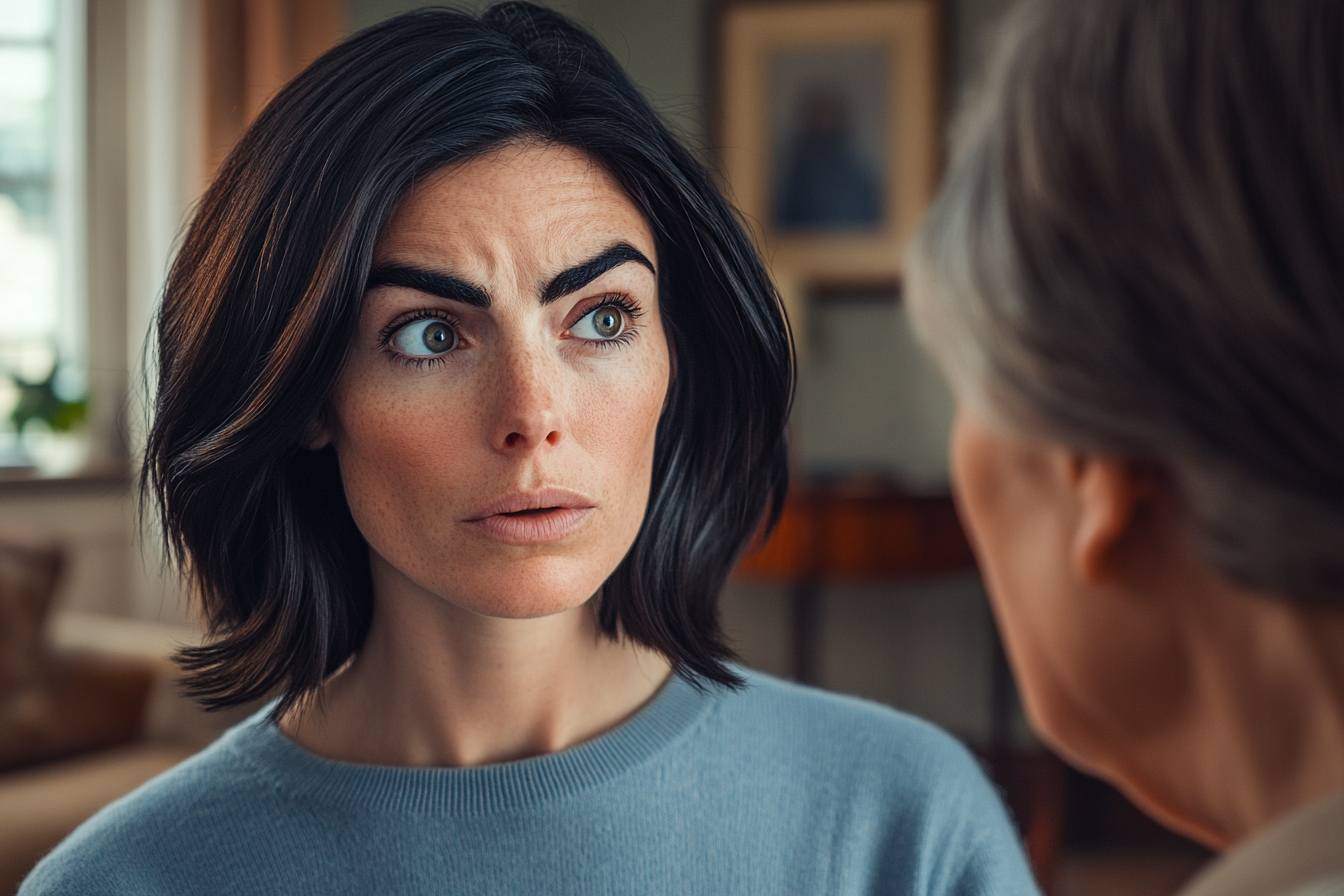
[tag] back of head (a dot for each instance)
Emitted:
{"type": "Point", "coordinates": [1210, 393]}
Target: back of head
{"type": "Point", "coordinates": [1139, 251]}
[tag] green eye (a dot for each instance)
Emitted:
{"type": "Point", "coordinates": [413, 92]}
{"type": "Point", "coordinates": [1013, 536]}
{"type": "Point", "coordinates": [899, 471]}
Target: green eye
{"type": "Point", "coordinates": [602, 323]}
{"type": "Point", "coordinates": [422, 338]}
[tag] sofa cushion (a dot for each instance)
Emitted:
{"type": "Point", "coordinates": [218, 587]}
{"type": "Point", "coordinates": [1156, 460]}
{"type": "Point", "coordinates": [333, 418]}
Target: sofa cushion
{"type": "Point", "coordinates": [40, 806]}
{"type": "Point", "coordinates": [28, 576]}
{"type": "Point", "coordinates": [55, 704]}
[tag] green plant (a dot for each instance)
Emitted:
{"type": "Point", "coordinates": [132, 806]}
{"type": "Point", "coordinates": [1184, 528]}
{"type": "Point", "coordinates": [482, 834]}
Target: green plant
{"type": "Point", "coordinates": [40, 401]}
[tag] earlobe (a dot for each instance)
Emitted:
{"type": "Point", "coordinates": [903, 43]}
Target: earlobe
{"type": "Point", "coordinates": [1109, 492]}
{"type": "Point", "coordinates": [316, 435]}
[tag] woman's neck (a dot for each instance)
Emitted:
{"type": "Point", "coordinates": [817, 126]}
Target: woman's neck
{"type": "Point", "coordinates": [1281, 701]}
{"type": "Point", "coordinates": [1264, 732]}
{"type": "Point", "coordinates": [438, 685]}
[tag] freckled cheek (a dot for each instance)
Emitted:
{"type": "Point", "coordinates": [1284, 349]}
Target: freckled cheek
{"type": "Point", "coordinates": [618, 420]}
{"type": "Point", "coordinates": [399, 450]}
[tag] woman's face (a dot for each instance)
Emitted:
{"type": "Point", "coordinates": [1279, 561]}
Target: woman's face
{"type": "Point", "coordinates": [495, 417]}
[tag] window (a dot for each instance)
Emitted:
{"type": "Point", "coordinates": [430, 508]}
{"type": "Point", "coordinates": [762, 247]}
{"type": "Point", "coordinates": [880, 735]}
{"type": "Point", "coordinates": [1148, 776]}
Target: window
{"type": "Point", "coordinates": [42, 330]}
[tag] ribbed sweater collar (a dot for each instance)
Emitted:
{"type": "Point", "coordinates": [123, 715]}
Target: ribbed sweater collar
{"type": "Point", "coordinates": [667, 719]}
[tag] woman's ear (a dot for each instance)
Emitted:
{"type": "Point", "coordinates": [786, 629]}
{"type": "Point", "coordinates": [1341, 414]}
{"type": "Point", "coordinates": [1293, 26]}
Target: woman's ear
{"type": "Point", "coordinates": [316, 435]}
{"type": "Point", "coordinates": [1110, 495]}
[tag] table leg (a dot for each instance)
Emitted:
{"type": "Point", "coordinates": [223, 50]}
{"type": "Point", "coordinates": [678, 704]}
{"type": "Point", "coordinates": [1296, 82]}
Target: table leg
{"type": "Point", "coordinates": [807, 632]}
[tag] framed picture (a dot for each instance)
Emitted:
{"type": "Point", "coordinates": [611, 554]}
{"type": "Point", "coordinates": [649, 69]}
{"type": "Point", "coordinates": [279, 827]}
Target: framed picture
{"type": "Point", "coordinates": [827, 126]}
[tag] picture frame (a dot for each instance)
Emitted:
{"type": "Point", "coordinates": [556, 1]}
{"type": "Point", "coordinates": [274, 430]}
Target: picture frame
{"type": "Point", "coordinates": [826, 123]}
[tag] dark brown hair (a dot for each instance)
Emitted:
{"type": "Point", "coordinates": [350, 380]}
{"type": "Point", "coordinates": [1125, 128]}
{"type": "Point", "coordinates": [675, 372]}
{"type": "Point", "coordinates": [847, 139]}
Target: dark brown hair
{"type": "Point", "coordinates": [264, 296]}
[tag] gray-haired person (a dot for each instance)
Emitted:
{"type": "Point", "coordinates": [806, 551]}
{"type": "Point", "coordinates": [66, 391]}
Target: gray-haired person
{"type": "Point", "coordinates": [1134, 276]}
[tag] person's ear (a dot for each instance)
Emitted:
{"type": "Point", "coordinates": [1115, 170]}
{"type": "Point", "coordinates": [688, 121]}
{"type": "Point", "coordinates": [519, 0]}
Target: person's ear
{"type": "Point", "coordinates": [1110, 494]}
{"type": "Point", "coordinates": [316, 435]}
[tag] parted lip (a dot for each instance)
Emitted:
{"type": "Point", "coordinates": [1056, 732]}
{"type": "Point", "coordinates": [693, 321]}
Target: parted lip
{"type": "Point", "coordinates": [540, 499]}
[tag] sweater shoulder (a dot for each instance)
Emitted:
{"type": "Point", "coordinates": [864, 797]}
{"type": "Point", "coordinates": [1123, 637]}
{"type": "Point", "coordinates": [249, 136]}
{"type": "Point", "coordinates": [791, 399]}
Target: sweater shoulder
{"type": "Point", "coordinates": [903, 790]}
{"type": "Point", "coordinates": [130, 845]}
{"type": "Point", "coordinates": [840, 728]}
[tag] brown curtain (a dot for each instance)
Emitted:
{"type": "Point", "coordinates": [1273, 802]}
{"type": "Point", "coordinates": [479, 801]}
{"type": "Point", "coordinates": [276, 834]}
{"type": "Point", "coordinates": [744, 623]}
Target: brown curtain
{"type": "Point", "coordinates": [252, 48]}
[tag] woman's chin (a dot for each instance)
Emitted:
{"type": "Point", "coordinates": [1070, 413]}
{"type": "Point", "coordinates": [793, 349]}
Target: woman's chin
{"type": "Point", "coordinates": [499, 586]}
{"type": "Point", "coordinates": [543, 586]}
{"type": "Point", "coordinates": [526, 604]}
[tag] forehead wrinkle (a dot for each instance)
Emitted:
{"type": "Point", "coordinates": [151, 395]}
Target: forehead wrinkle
{"type": "Point", "coordinates": [473, 222]}
{"type": "Point", "coordinates": [599, 229]}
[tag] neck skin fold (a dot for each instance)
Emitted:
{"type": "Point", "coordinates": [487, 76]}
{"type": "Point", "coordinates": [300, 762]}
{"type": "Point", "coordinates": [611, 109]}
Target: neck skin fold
{"type": "Point", "coordinates": [1263, 730]}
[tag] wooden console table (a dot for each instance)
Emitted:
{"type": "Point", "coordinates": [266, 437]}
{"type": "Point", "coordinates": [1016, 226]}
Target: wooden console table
{"type": "Point", "coordinates": [852, 532]}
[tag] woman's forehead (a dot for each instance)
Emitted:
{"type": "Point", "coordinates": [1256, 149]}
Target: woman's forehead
{"type": "Point", "coordinates": [544, 196]}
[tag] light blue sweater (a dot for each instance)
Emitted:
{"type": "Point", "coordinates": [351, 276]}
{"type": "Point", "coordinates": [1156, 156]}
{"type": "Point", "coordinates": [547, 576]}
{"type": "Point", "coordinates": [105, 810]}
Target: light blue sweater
{"type": "Point", "coordinates": [775, 789]}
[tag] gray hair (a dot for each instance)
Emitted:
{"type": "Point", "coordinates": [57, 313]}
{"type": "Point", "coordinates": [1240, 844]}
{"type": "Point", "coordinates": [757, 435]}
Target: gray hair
{"type": "Point", "coordinates": [1139, 251]}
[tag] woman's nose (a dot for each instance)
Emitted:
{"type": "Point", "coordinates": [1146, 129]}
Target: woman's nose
{"type": "Point", "coordinates": [529, 411]}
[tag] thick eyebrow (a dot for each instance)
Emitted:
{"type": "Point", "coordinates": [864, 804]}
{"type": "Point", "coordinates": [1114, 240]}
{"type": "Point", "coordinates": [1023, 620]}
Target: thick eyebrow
{"type": "Point", "coordinates": [441, 285]}
{"type": "Point", "coordinates": [581, 275]}
{"type": "Point", "coordinates": [448, 287]}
